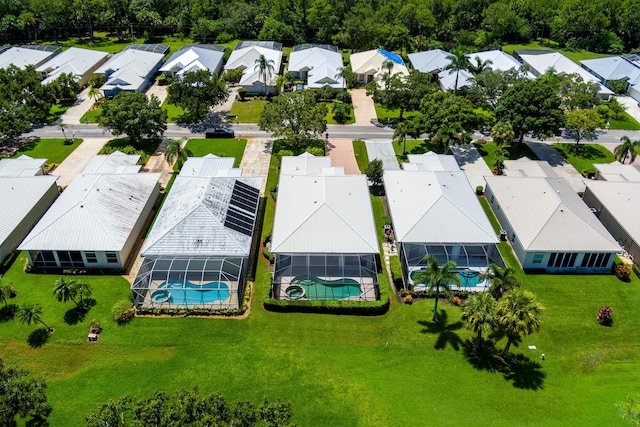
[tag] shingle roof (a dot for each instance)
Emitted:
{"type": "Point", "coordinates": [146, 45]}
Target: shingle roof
{"type": "Point", "coordinates": [73, 60]}
{"type": "Point", "coordinates": [547, 215]}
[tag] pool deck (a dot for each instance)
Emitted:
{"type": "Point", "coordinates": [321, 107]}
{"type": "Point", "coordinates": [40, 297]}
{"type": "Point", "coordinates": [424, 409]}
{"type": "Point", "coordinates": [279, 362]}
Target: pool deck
{"type": "Point", "coordinates": [480, 287]}
{"type": "Point", "coordinates": [229, 303]}
{"type": "Point", "coordinates": [367, 288]}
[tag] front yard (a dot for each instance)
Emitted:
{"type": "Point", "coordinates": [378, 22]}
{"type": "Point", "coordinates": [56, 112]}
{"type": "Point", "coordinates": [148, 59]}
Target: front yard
{"type": "Point", "coordinates": [584, 158]}
{"type": "Point", "coordinates": [231, 147]}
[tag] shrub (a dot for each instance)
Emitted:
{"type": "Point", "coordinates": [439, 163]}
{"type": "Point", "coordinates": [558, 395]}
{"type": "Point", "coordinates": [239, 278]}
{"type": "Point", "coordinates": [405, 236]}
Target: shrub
{"type": "Point", "coordinates": [456, 300]}
{"type": "Point", "coordinates": [316, 151]}
{"type": "Point", "coordinates": [408, 299]}
{"type": "Point", "coordinates": [622, 272]}
{"type": "Point", "coordinates": [344, 96]}
{"type": "Point", "coordinates": [242, 93]}
{"type": "Point", "coordinates": [268, 255]}
{"type": "Point", "coordinates": [396, 272]}
{"type": "Point", "coordinates": [95, 327]}
{"type": "Point", "coordinates": [605, 316]}
{"type": "Point", "coordinates": [123, 311]}
{"type": "Point", "coordinates": [479, 190]}
{"type": "Point", "coordinates": [233, 76]}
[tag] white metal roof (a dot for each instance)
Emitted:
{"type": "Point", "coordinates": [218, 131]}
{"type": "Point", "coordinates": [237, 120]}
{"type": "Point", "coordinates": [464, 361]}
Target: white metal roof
{"type": "Point", "coordinates": [304, 164]}
{"type": "Point", "coordinates": [617, 171]}
{"type": "Point", "coordinates": [324, 214]}
{"type": "Point", "coordinates": [24, 56]}
{"type": "Point", "coordinates": [95, 212]}
{"type": "Point", "coordinates": [322, 66]}
{"type": "Point", "coordinates": [372, 61]}
{"type": "Point", "coordinates": [547, 215]}
{"type": "Point", "coordinates": [115, 163]}
{"type": "Point", "coordinates": [622, 201]}
{"type": "Point", "coordinates": [194, 58]}
{"type": "Point", "coordinates": [245, 59]}
{"type": "Point", "coordinates": [209, 166]}
{"type": "Point", "coordinates": [193, 218]}
{"type": "Point", "coordinates": [614, 68]}
{"type": "Point", "coordinates": [21, 166]}
{"type": "Point", "coordinates": [447, 79]}
{"type": "Point", "coordinates": [129, 69]}
{"type": "Point", "coordinates": [24, 193]}
{"type": "Point", "coordinates": [500, 61]}
{"type": "Point", "coordinates": [430, 60]}
{"type": "Point", "coordinates": [431, 161]}
{"type": "Point", "coordinates": [525, 167]}
{"type": "Point", "coordinates": [73, 60]}
{"type": "Point", "coordinates": [436, 207]}
{"type": "Point", "coordinates": [542, 62]}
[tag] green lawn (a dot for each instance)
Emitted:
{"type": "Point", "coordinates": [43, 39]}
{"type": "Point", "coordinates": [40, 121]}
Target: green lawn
{"type": "Point", "coordinates": [362, 157]}
{"type": "Point", "coordinates": [247, 111]}
{"type": "Point", "coordinates": [105, 42]}
{"type": "Point", "coordinates": [626, 123]}
{"type": "Point", "coordinates": [221, 147]}
{"type": "Point", "coordinates": [52, 149]}
{"type": "Point", "coordinates": [575, 55]}
{"type": "Point", "coordinates": [147, 145]}
{"type": "Point", "coordinates": [91, 116]}
{"type": "Point", "coordinates": [331, 121]}
{"type": "Point", "coordinates": [586, 156]}
{"type": "Point", "coordinates": [516, 152]}
{"type": "Point", "coordinates": [57, 110]}
{"type": "Point", "coordinates": [174, 113]}
{"type": "Point", "coordinates": [390, 115]}
{"type": "Point", "coordinates": [414, 146]}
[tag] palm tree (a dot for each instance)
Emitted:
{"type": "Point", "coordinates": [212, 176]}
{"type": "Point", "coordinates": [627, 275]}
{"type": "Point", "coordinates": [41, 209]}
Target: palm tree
{"type": "Point", "coordinates": [502, 133]}
{"type": "Point", "coordinates": [479, 66]}
{"type": "Point", "coordinates": [501, 280]}
{"type": "Point", "coordinates": [400, 135]}
{"type": "Point", "coordinates": [626, 149]}
{"type": "Point", "coordinates": [459, 62]}
{"type": "Point", "coordinates": [6, 290]}
{"type": "Point", "coordinates": [83, 290]}
{"type": "Point", "coordinates": [177, 152]}
{"type": "Point", "coordinates": [478, 315]}
{"type": "Point", "coordinates": [62, 127]}
{"type": "Point", "coordinates": [344, 73]}
{"type": "Point", "coordinates": [500, 154]}
{"type": "Point", "coordinates": [518, 313]}
{"type": "Point", "coordinates": [448, 134]}
{"type": "Point", "coordinates": [437, 276]}
{"type": "Point", "coordinates": [94, 93]}
{"type": "Point", "coordinates": [265, 67]}
{"type": "Point", "coordinates": [31, 313]}
{"type": "Point", "coordinates": [65, 289]}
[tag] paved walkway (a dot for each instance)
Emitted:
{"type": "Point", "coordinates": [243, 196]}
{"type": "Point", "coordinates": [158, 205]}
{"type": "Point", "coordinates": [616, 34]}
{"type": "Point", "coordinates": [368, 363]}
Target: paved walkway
{"type": "Point", "coordinates": [256, 158]}
{"type": "Point", "coordinates": [226, 106]}
{"type": "Point", "coordinates": [157, 163]}
{"type": "Point", "coordinates": [77, 160]}
{"type": "Point", "coordinates": [341, 153]}
{"type": "Point", "coordinates": [363, 107]}
{"type": "Point", "coordinates": [159, 91]}
{"type": "Point", "coordinates": [560, 166]}
{"type": "Point", "coordinates": [631, 106]}
{"type": "Point", "coordinates": [472, 163]}
{"type": "Point", "coordinates": [382, 149]}
{"type": "Point", "coordinates": [78, 109]}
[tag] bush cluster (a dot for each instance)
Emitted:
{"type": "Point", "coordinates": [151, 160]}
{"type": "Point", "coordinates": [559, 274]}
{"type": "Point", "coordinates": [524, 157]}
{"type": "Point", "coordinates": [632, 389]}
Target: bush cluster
{"type": "Point", "coordinates": [123, 311]}
{"type": "Point", "coordinates": [605, 316]}
{"type": "Point", "coordinates": [622, 272]}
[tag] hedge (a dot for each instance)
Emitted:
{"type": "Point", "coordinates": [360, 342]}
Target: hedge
{"type": "Point", "coordinates": [396, 271]}
{"type": "Point", "coordinates": [361, 308]}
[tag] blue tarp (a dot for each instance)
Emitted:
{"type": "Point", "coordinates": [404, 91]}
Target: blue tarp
{"type": "Point", "coordinates": [392, 56]}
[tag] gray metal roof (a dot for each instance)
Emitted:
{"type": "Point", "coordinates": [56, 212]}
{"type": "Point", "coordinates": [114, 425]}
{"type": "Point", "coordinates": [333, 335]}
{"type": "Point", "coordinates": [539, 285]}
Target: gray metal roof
{"type": "Point", "coordinates": [436, 207]}
{"type": "Point", "coordinates": [547, 215]}
{"type": "Point", "coordinates": [621, 199]}
{"type": "Point", "coordinates": [430, 61]}
{"type": "Point", "coordinates": [26, 55]}
{"type": "Point", "coordinates": [324, 214]}
{"type": "Point", "coordinates": [73, 60]}
{"type": "Point", "coordinates": [95, 212]}
{"type": "Point", "coordinates": [208, 166]}
{"type": "Point", "coordinates": [155, 48]}
{"type": "Point", "coordinates": [194, 58]}
{"type": "Point", "coordinates": [128, 69]}
{"type": "Point", "coordinates": [304, 164]}
{"type": "Point", "coordinates": [525, 167]}
{"type": "Point", "coordinates": [195, 217]}
{"type": "Point", "coordinates": [21, 166]}
{"type": "Point", "coordinates": [431, 161]}
{"type": "Point", "coordinates": [617, 171]}
{"type": "Point", "coordinates": [329, 47]}
{"type": "Point", "coordinates": [23, 193]}
{"type": "Point", "coordinates": [245, 55]}
{"type": "Point", "coordinates": [259, 43]}
{"type": "Point", "coordinates": [115, 163]}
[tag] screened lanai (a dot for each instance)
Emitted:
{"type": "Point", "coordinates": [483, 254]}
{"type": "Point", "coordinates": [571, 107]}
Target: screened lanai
{"type": "Point", "coordinates": [211, 283]}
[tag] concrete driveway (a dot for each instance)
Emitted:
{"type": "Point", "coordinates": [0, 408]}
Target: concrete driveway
{"type": "Point", "coordinates": [78, 109]}
{"type": "Point", "coordinates": [77, 160]}
{"type": "Point", "coordinates": [341, 153]}
{"type": "Point", "coordinates": [382, 149]}
{"type": "Point", "coordinates": [472, 163]}
{"type": "Point", "coordinates": [159, 91]}
{"type": "Point", "coordinates": [363, 107]}
{"type": "Point", "coordinates": [560, 166]}
{"type": "Point", "coordinates": [256, 158]}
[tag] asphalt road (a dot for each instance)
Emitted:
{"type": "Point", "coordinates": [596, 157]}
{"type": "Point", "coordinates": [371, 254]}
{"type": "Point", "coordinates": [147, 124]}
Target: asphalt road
{"type": "Point", "coordinates": [91, 130]}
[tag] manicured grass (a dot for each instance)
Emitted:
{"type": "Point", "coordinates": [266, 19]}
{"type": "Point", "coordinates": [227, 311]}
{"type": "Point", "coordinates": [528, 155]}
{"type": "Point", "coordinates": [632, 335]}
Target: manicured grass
{"type": "Point", "coordinates": [148, 145]}
{"type": "Point", "coordinates": [390, 115]}
{"type": "Point", "coordinates": [247, 111]}
{"type": "Point", "coordinates": [626, 122]}
{"type": "Point", "coordinates": [586, 156]}
{"type": "Point", "coordinates": [362, 157]}
{"type": "Point", "coordinates": [52, 149]}
{"type": "Point", "coordinates": [575, 55]}
{"type": "Point", "coordinates": [107, 43]}
{"type": "Point", "coordinates": [505, 249]}
{"type": "Point", "coordinates": [221, 147]}
{"type": "Point", "coordinates": [175, 114]}
{"type": "Point", "coordinates": [270, 204]}
{"type": "Point", "coordinates": [91, 116]}
{"type": "Point", "coordinates": [331, 121]}
{"type": "Point", "coordinates": [414, 146]}
{"type": "Point", "coordinates": [57, 110]}
{"type": "Point", "coordinates": [515, 151]}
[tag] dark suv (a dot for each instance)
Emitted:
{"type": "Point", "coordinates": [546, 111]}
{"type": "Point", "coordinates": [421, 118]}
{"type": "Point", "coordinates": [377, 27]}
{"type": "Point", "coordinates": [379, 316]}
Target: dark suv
{"type": "Point", "coordinates": [219, 133]}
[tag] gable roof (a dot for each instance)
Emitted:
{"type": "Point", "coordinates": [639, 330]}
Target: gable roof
{"type": "Point", "coordinates": [500, 61]}
{"type": "Point", "coordinates": [194, 58]}
{"type": "Point", "coordinates": [526, 167]}
{"type": "Point", "coordinates": [436, 207]}
{"type": "Point", "coordinates": [115, 163]}
{"type": "Point", "coordinates": [431, 161]}
{"type": "Point", "coordinates": [21, 166]}
{"type": "Point", "coordinates": [621, 200]}
{"type": "Point", "coordinates": [195, 217]}
{"type": "Point", "coordinates": [26, 55]}
{"type": "Point", "coordinates": [372, 61]}
{"type": "Point", "coordinates": [95, 212]}
{"type": "Point", "coordinates": [129, 69]}
{"type": "Point", "coordinates": [429, 61]}
{"type": "Point", "coordinates": [244, 56]}
{"type": "Point", "coordinates": [24, 193]}
{"type": "Point", "coordinates": [209, 166]}
{"type": "Point", "coordinates": [322, 63]}
{"type": "Point", "coordinates": [547, 215]}
{"type": "Point", "coordinates": [73, 60]}
{"type": "Point", "coordinates": [617, 171]}
{"type": "Point", "coordinates": [447, 79]}
{"type": "Point", "coordinates": [613, 68]}
{"type": "Point", "coordinates": [304, 164]}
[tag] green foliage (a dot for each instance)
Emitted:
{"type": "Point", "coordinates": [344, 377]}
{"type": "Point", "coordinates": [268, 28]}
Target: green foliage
{"type": "Point", "coordinates": [605, 316]}
{"type": "Point", "coordinates": [622, 272]}
{"type": "Point", "coordinates": [268, 255]}
{"type": "Point", "coordinates": [175, 152]}
{"type": "Point", "coordinates": [584, 158]}
{"type": "Point", "coordinates": [135, 115]}
{"type": "Point", "coordinates": [242, 93]}
{"type": "Point", "coordinates": [233, 77]}
{"type": "Point", "coordinates": [626, 150]}
{"type": "Point", "coordinates": [396, 271]}
{"type": "Point", "coordinates": [123, 311]}
{"type": "Point", "coordinates": [341, 112]}
{"type": "Point", "coordinates": [64, 88]}
{"type": "Point", "coordinates": [197, 92]}
{"type": "Point", "coordinates": [403, 93]}
{"type": "Point", "coordinates": [23, 396]}
{"type": "Point", "coordinates": [517, 314]}
{"type": "Point", "coordinates": [618, 86]}
{"type": "Point", "coordinates": [437, 277]}
{"type": "Point", "coordinates": [296, 115]}
{"type": "Point", "coordinates": [478, 315]}
{"type": "Point", "coordinates": [362, 157]}
{"type": "Point", "coordinates": [97, 80]}
{"type": "Point", "coordinates": [375, 171]}
{"type": "Point", "coordinates": [583, 124]}
{"type": "Point", "coordinates": [630, 410]}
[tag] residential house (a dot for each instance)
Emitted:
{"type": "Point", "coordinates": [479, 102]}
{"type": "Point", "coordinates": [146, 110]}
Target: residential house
{"type": "Point", "coordinates": [194, 58]}
{"type": "Point", "coordinates": [23, 56]}
{"type": "Point", "coordinates": [617, 171]}
{"type": "Point", "coordinates": [497, 60]}
{"type": "Point", "coordinates": [610, 68]}
{"type": "Point", "coordinates": [371, 65]}
{"type": "Point", "coordinates": [22, 166]}
{"type": "Point", "coordinates": [81, 63]}
{"type": "Point", "coordinates": [245, 56]}
{"type": "Point", "coordinates": [317, 65]}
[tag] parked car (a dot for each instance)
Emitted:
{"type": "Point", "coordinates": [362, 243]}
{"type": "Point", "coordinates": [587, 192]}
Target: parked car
{"type": "Point", "coordinates": [220, 133]}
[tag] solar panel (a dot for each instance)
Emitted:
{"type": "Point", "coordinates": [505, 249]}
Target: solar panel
{"type": "Point", "coordinates": [242, 208]}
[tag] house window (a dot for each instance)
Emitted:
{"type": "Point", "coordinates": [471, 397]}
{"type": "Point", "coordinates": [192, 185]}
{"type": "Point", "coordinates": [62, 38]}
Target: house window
{"type": "Point", "coordinates": [91, 257]}
{"type": "Point", "coordinates": [43, 259]}
{"type": "Point", "coordinates": [112, 257]}
{"type": "Point", "coordinates": [537, 258]}
{"type": "Point", "coordinates": [70, 259]}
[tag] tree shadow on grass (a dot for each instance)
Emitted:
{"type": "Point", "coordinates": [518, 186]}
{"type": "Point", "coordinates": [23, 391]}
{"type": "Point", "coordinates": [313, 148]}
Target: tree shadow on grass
{"type": "Point", "coordinates": [485, 359]}
{"type": "Point", "coordinates": [38, 338]}
{"type": "Point", "coordinates": [79, 313]}
{"type": "Point", "coordinates": [8, 312]}
{"type": "Point", "coordinates": [446, 332]}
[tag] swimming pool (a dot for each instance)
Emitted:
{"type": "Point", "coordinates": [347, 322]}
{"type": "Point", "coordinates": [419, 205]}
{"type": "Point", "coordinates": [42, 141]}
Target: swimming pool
{"type": "Point", "coordinates": [316, 288]}
{"type": "Point", "coordinates": [468, 278]}
{"type": "Point", "coordinates": [188, 294]}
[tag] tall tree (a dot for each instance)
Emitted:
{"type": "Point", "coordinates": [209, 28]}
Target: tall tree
{"type": "Point", "coordinates": [502, 134]}
{"type": "Point", "coordinates": [626, 150]}
{"type": "Point", "coordinates": [134, 115]}
{"type": "Point", "coordinates": [437, 277]}
{"type": "Point", "coordinates": [22, 395]}
{"type": "Point", "coordinates": [501, 280]}
{"type": "Point", "coordinates": [500, 154]}
{"type": "Point", "coordinates": [65, 289]}
{"type": "Point", "coordinates": [518, 313]}
{"type": "Point", "coordinates": [403, 92]}
{"type": "Point", "coordinates": [196, 92]}
{"type": "Point", "coordinates": [265, 68]}
{"type": "Point", "coordinates": [177, 152]}
{"type": "Point", "coordinates": [31, 313]}
{"type": "Point", "coordinates": [400, 135]}
{"type": "Point", "coordinates": [459, 62]}
{"type": "Point", "coordinates": [478, 315]}
{"type": "Point", "coordinates": [583, 124]}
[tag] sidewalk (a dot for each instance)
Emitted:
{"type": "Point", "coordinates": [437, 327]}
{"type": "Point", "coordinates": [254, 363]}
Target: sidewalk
{"type": "Point", "coordinates": [77, 160]}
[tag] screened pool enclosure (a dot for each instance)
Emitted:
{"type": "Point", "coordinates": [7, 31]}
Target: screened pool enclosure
{"type": "Point", "coordinates": [326, 277]}
{"type": "Point", "coordinates": [174, 283]}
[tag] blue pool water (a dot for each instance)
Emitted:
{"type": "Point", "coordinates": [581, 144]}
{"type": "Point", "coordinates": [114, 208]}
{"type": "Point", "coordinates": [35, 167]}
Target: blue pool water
{"type": "Point", "coordinates": [187, 294]}
{"type": "Point", "coordinates": [468, 278]}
